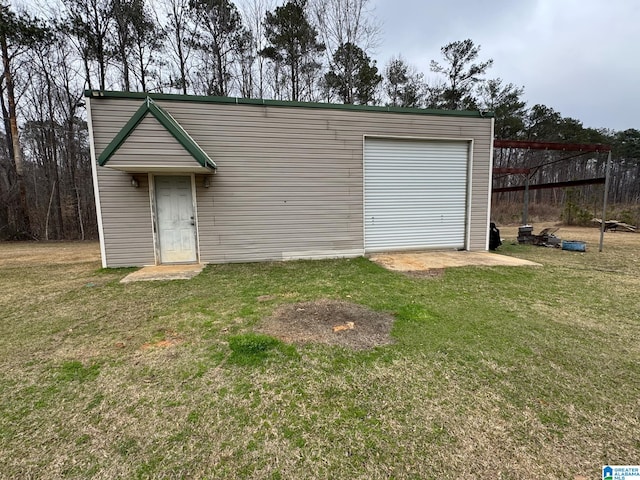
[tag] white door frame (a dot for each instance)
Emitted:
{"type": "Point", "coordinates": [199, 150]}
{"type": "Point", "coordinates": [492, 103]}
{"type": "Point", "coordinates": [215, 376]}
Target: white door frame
{"type": "Point", "coordinates": [154, 213]}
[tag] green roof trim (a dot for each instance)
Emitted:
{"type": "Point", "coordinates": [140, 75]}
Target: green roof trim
{"type": "Point", "coordinates": [282, 103]}
{"type": "Point", "coordinates": [149, 106]}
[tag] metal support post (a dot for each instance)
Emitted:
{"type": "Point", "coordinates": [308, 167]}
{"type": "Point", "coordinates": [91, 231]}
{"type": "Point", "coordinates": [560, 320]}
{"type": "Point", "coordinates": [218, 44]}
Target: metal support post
{"type": "Point", "coordinates": [607, 176]}
{"type": "Point", "coordinates": [525, 211]}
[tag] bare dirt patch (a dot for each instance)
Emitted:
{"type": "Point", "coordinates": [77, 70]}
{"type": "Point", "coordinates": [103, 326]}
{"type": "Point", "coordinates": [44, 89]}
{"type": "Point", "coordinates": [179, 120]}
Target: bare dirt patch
{"type": "Point", "coordinates": [171, 339]}
{"type": "Point", "coordinates": [331, 322]}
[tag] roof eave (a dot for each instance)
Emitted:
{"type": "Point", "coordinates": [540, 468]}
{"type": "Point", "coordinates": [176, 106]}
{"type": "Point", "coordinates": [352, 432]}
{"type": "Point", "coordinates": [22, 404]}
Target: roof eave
{"type": "Point", "coordinates": [287, 103]}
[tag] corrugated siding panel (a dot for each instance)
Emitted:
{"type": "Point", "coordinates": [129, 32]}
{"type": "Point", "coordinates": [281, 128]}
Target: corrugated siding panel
{"type": "Point", "coordinates": [151, 144]}
{"type": "Point", "coordinates": [415, 194]}
{"type": "Point", "coordinates": [290, 179]}
{"type": "Point", "coordinates": [126, 219]}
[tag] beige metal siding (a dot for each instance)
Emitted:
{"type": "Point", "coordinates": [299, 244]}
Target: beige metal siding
{"type": "Point", "coordinates": [126, 219]}
{"type": "Point", "coordinates": [150, 144]}
{"type": "Point", "coordinates": [290, 179]}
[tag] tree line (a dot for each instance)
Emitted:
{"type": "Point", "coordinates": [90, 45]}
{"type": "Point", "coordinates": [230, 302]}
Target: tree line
{"type": "Point", "coordinates": [300, 50]}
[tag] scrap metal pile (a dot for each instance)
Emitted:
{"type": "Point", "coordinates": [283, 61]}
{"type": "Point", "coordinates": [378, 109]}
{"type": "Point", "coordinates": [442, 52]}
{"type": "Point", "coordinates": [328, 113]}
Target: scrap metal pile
{"type": "Point", "coordinates": [546, 237]}
{"type": "Point", "coordinates": [616, 225]}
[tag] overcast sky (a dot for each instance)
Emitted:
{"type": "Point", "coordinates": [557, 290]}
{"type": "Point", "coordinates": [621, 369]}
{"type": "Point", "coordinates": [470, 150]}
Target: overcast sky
{"type": "Point", "coordinates": [579, 57]}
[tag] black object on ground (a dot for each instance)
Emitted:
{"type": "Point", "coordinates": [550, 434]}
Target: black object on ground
{"type": "Point", "coordinates": [494, 237]}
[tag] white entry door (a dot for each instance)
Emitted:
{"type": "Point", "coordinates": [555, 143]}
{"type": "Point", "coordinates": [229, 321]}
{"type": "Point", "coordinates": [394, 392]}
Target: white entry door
{"type": "Point", "coordinates": [176, 219]}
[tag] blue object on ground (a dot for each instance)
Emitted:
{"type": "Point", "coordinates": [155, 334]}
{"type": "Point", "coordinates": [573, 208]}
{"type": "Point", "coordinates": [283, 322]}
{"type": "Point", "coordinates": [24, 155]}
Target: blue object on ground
{"type": "Point", "coordinates": [574, 245]}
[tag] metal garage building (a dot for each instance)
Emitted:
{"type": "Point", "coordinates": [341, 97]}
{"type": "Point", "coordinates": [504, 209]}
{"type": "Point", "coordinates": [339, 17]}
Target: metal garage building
{"type": "Point", "coordinates": [182, 179]}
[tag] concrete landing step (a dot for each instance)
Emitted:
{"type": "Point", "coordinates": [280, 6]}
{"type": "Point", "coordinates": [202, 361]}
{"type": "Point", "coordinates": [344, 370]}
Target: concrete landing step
{"type": "Point", "coordinates": [164, 272]}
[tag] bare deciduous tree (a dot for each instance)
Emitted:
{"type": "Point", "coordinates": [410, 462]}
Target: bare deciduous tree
{"type": "Point", "coordinates": [89, 23]}
{"type": "Point", "coordinates": [179, 31]}
{"type": "Point", "coordinates": [45, 169]}
{"type": "Point", "coordinates": [340, 22]}
{"type": "Point", "coordinates": [219, 31]}
{"type": "Point", "coordinates": [17, 33]}
{"type": "Point", "coordinates": [253, 12]}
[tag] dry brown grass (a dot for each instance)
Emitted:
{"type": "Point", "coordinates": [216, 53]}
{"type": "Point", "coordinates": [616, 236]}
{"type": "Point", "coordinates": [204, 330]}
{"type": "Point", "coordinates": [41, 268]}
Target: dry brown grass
{"type": "Point", "coordinates": [494, 372]}
{"type": "Point", "coordinates": [506, 213]}
{"type": "Point", "coordinates": [29, 254]}
{"type": "Point", "coordinates": [623, 243]}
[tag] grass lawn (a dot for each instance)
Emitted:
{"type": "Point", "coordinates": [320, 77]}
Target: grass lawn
{"type": "Point", "coordinates": [495, 372]}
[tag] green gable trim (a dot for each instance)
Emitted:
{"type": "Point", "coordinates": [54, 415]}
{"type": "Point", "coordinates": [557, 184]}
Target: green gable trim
{"type": "Point", "coordinates": [281, 103]}
{"type": "Point", "coordinates": [168, 122]}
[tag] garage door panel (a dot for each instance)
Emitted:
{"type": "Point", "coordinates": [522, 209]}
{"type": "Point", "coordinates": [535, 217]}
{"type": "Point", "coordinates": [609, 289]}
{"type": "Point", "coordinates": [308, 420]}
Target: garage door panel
{"type": "Point", "coordinates": [444, 196]}
{"type": "Point", "coordinates": [415, 194]}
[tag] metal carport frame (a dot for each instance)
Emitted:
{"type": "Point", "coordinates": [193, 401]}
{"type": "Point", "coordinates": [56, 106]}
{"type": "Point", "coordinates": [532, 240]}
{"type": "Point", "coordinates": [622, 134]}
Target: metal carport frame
{"type": "Point", "coordinates": [568, 147]}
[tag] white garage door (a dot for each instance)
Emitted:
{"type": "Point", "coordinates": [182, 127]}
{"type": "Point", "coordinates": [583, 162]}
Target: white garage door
{"type": "Point", "coordinates": [415, 194]}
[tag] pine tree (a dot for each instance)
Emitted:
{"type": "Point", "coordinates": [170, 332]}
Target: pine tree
{"type": "Point", "coordinates": [219, 32]}
{"type": "Point", "coordinates": [353, 76]}
{"type": "Point", "coordinates": [461, 74]}
{"type": "Point", "coordinates": [292, 41]}
{"type": "Point", "coordinates": [505, 101]}
{"type": "Point", "coordinates": [403, 85]}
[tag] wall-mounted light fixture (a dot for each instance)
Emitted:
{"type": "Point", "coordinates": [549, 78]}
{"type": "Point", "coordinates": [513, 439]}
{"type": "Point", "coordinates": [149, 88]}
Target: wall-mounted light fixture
{"type": "Point", "coordinates": [207, 181]}
{"type": "Point", "coordinates": [134, 182]}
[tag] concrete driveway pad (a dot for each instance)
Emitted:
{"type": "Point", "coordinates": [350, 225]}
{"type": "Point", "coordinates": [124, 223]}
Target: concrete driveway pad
{"type": "Point", "coordinates": [421, 261]}
{"type": "Point", "coordinates": [164, 272]}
